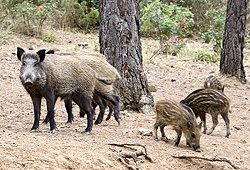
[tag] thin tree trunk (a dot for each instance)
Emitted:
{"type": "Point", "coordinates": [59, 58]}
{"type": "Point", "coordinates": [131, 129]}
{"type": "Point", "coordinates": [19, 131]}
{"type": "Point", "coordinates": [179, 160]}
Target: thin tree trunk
{"type": "Point", "coordinates": [231, 61]}
{"type": "Point", "coordinates": [120, 42]}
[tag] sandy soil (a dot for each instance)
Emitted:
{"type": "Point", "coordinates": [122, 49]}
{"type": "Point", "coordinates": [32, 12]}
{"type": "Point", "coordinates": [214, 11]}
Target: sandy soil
{"type": "Point", "coordinates": [174, 78]}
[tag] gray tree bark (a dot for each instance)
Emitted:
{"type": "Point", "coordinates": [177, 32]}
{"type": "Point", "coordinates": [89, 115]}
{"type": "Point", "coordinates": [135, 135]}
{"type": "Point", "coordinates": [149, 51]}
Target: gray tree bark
{"type": "Point", "coordinates": [119, 39]}
{"type": "Point", "coordinates": [231, 61]}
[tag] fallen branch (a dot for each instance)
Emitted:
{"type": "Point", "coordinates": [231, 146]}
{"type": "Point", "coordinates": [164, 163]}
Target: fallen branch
{"type": "Point", "coordinates": [130, 154]}
{"type": "Point", "coordinates": [208, 158]}
{"type": "Point", "coordinates": [134, 144]}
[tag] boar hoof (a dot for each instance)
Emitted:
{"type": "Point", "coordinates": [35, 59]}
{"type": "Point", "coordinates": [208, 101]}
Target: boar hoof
{"type": "Point", "coordinates": [165, 139]}
{"type": "Point", "coordinates": [156, 139]}
{"type": "Point", "coordinates": [85, 132]}
{"type": "Point", "coordinates": [32, 130]}
{"type": "Point", "coordinates": [53, 131]}
{"type": "Point", "coordinates": [197, 150]}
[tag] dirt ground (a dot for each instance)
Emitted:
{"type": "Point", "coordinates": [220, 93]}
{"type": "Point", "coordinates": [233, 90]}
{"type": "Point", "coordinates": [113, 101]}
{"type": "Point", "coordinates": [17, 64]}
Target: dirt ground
{"type": "Point", "coordinates": [174, 78]}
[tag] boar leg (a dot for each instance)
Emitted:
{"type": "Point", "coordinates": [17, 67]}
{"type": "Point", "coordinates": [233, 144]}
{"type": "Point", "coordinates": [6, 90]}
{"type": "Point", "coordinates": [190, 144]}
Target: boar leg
{"type": "Point", "coordinates": [163, 135]}
{"type": "Point", "coordinates": [84, 102]}
{"type": "Point", "coordinates": [226, 119]}
{"type": "Point", "coordinates": [158, 122]}
{"type": "Point", "coordinates": [214, 115]}
{"type": "Point", "coordinates": [37, 108]}
{"type": "Point", "coordinates": [68, 106]}
{"type": "Point", "coordinates": [50, 100]}
{"type": "Point", "coordinates": [110, 105]}
{"type": "Point", "coordinates": [177, 140]}
{"type": "Point", "coordinates": [46, 120]}
{"type": "Point", "coordinates": [102, 104]}
{"type": "Point", "coordinates": [203, 119]}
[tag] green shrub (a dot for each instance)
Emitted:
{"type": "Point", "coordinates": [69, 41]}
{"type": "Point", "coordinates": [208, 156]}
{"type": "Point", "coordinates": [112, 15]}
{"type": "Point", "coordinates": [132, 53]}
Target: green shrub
{"type": "Point", "coordinates": [51, 38]}
{"type": "Point", "coordinates": [78, 14]}
{"type": "Point", "coordinates": [27, 16]}
{"type": "Point", "coordinates": [173, 45]}
{"type": "Point", "coordinates": [215, 29]}
{"type": "Point", "coordinates": [162, 20]}
{"type": "Point", "coordinates": [201, 55]}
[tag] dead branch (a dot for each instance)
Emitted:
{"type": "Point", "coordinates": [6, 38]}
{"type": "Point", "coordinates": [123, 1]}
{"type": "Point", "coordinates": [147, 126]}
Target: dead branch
{"type": "Point", "coordinates": [134, 144]}
{"type": "Point", "coordinates": [131, 154]}
{"type": "Point", "coordinates": [156, 53]}
{"type": "Point", "coordinates": [208, 158]}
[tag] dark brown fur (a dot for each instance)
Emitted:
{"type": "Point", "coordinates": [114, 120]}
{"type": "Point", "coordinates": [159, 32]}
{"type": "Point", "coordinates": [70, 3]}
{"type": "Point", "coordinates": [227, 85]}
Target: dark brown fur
{"type": "Point", "coordinates": [104, 95]}
{"type": "Point", "coordinates": [181, 118]}
{"type": "Point", "coordinates": [211, 82]}
{"type": "Point", "coordinates": [53, 77]}
{"type": "Point", "coordinates": [210, 101]}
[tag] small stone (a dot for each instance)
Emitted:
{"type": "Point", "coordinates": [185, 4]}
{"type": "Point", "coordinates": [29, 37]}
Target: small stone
{"type": "Point", "coordinates": [152, 88]}
{"type": "Point", "coordinates": [8, 58]}
{"type": "Point", "coordinates": [145, 132]}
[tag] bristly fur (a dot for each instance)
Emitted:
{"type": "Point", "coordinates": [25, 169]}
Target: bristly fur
{"type": "Point", "coordinates": [181, 118]}
{"type": "Point", "coordinates": [211, 82]}
{"type": "Point", "coordinates": [210, 101]}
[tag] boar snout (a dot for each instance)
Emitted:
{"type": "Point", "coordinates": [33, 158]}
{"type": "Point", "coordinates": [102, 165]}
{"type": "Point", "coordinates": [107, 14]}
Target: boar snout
{"type": "Point", "coordinates": [196, 148]}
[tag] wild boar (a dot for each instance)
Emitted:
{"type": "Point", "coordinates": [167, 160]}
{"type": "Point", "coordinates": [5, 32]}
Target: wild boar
{"type": "Point", "coordinates": [181, 118]}
{"type": "Point", "coordinates": [211, 82]}
{"type": "Point", "coordinates": [210, 101]}
{"type": "Point", "coordinates": [104, 70]}
{"type": "Point", "coordinates": [52, 77]}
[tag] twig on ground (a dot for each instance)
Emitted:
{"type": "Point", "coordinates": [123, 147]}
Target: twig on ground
{"type": "Point", "coordinates": [130, 154]}
{"type": "Point", "coordinates": [208, 158]}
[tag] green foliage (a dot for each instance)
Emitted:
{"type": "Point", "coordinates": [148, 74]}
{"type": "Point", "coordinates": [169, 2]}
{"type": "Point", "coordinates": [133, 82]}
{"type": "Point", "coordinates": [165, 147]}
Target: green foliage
{"type": "Point", "coordinates": [162, 20]}
{"type": "Point", "coordinates": [173, 45]}
{"type": "Point", "coordinates": [3, 36]}
{"type": "Point", "coordinates": [51, 38]}
{"type": "Point", "coordinates": [201, 55]}
{"type": "Point", "coordinates": [97, 45]}
{"type": "Point", "coordinates": [28, 16]}
{"type": "Point", "coordinates": [215, 29]}
{"type": "Point", "coordinates": [78, 14]}
{"type": "Point", "coordinates": [247, 38]}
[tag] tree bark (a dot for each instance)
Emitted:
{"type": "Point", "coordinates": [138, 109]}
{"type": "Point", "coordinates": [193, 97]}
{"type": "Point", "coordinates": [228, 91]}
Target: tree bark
{"type": "Point", "coordinates": [231, 61]}
{"type": "Point", "coordinates": [119, 39]}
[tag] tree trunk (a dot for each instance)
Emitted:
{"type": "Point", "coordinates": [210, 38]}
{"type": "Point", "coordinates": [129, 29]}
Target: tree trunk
{"type": "Point", "coordinates": [231, 61]}
{"type": "Point", "coordinates": [120, 42]}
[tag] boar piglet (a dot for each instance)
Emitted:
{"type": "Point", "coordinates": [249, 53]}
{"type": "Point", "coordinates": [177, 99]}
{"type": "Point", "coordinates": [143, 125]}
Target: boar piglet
{"type": "Point", "coordinates": [210, 101]}
{"type": "Point", "coordinates": [53, 77]}
{"type": "Point", "coordinates": [181, 118]}
{"type": "Point", "coordinates": [212, 82]}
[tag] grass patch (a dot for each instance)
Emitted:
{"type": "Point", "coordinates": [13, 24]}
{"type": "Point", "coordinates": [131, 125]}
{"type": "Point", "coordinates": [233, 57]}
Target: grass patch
{"type": "Point", "coordinates": [205, 56]}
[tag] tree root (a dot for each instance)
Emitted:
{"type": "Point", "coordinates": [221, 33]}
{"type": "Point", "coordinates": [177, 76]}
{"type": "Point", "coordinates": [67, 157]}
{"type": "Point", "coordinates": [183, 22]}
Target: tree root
{"type": "Point", "coordinates": [123, 157]}
{"type": "Point", "coordinates": [208, 158]}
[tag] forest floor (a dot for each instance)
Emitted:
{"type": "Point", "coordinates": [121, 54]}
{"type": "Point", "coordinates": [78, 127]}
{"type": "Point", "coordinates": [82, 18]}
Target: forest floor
{"type": "Point", "coordinates": [174, 77]}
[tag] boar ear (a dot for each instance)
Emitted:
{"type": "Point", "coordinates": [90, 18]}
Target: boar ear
{"type": "Point", "coordinates": [199, 126]}
{"type": "Point", "coordinates": [20, 52]}
{"type": "Point", "coordinates": [41, 54]}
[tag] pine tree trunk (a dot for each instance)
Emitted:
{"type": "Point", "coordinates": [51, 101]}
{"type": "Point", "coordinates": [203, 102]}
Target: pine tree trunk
{"type": "Point", "coordinates": [231, 61]}
{"type": "Point", "coordinates": [120, 42]}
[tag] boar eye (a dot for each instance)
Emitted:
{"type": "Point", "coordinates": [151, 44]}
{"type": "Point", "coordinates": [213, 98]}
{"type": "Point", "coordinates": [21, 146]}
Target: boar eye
{"type": "Point", "coordinates": [24, 63]}
{"type": "Point", "coordinates": [192, 135]}
{"type": "Point", "coordinates": [35, 64]}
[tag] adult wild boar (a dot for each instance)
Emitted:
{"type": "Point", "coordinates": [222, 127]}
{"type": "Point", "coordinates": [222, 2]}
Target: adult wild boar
{"type": "Point", "coordinates": [52, 77]}
{"type": "Point", "coordinates": [104, 95]}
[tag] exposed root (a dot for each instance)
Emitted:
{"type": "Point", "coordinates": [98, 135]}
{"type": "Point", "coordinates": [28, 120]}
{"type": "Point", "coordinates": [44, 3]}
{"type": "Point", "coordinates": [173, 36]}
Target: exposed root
{"type": "Point", "coordinates": [123, 157]}
{"type": "Point", "coordinates": [208, 158]}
